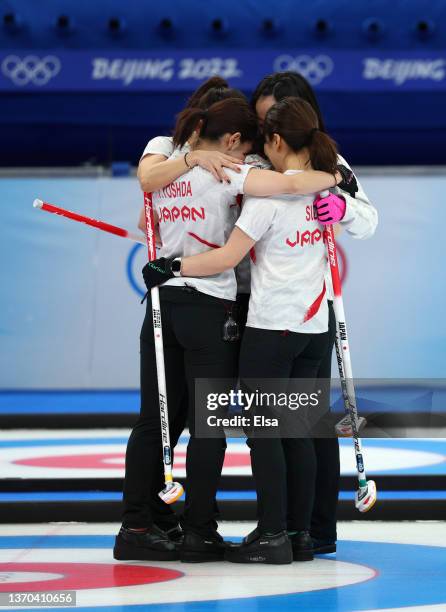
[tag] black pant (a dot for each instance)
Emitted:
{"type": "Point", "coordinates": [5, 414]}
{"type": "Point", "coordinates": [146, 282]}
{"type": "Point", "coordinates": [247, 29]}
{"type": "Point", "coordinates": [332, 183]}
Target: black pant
{"type": "Point", "coordinates": [323, 520]}
{"type": "Point", "coordinates": [279, 464]}
{"type": "Point", "coordinates": [163, 514]}
{"type": "Point", "coordinates": [193, 348]}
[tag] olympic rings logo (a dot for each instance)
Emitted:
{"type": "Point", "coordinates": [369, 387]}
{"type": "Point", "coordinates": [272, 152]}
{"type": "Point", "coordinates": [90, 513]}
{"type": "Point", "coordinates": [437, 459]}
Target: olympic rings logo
{"type": "Point", "coordinates": [314, 69]}
{"type": "Point", "coordinates": [30, 69]}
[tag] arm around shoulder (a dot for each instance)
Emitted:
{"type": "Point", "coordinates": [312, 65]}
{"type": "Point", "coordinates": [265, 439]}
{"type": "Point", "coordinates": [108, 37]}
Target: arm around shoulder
{"type": "Point", "coordinates": [269, 183]}
{"type": "Point", "coordinates": [156, 171]}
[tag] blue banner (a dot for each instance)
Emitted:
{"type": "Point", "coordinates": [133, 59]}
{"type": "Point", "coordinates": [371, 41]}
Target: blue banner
{"type": "Point", "coordinates": [100, 71]}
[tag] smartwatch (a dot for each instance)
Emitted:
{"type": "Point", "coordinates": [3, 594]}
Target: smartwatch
{"type": "Point", "coordinates": [175, 266]}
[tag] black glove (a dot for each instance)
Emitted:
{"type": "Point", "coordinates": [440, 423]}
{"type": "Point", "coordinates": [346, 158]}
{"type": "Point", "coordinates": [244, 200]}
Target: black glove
{"type": "Point", "coordinates": [349, 182]}
{"type": "Point", "coordinates": [157, 272]}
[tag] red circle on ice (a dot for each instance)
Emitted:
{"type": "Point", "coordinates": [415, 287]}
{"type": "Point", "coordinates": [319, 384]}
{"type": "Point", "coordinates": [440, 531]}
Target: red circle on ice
{"type": "Point", "coordinates": [76, 576]}
{"type": "Point", "coordinates": [113, 461]}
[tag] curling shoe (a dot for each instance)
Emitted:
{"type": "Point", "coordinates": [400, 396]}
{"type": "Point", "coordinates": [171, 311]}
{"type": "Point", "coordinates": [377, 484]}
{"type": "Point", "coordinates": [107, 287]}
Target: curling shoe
{"type": "Point", "coordinates": [302, 544]}
{"type": "Point", "coordinates": [196, 548]}
{"type": "Point", "coordinates": [274, 549]}
{"type": "Point", "coordinates": [175, 534]}
{"type": "Point", "coordinates": [151, 544]}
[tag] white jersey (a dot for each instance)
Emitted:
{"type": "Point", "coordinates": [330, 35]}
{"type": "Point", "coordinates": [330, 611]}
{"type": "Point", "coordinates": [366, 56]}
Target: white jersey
{"type": "Point", "coordinates": [288, 290]}
{"type": "Point", "coordinates": [163, 145]}
{"type": "Point", "coordinates": [197, 213]}
{"type": "Point", "coordinates": [360, 219]}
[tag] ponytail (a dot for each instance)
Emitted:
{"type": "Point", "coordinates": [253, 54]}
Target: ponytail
{"type": "Point", "coordinates": [297, 123]}
{"type": "Point", "coordinates": [189, 120]}
{"type": "Point", "coordinates": [323, 152]}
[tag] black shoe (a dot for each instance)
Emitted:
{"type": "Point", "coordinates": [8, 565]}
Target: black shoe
{"type": "Point", "coordinates": [302, 544]}
{"type": "Point", "coordinates": [150, 545]}
{"type": "Point", "coordinates": [259, 548]}
{"type": "Point", "coordinates": [196, 548]}
{"type": "Point", "coordinates": [175, 534]}
{"type": "Point", "coordinates": [323, 547]}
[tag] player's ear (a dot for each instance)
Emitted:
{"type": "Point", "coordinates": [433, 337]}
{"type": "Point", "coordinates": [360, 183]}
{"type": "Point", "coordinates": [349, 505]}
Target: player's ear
{"type": "Point", "coordinates": [277, 142]}
{"type": "Point", "coordinates": [234, 141]}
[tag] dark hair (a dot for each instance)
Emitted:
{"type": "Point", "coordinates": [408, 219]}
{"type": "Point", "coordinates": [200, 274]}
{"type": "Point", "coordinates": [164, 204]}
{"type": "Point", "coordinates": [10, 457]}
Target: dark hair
{"type": "Point", "coordinates": [297, 123]}
{"type": "Point", "coordinates": [213, 90]}
{"type": "Point", "coordinates": [216, 94]}
{"type": "Point", "coordinates": [214, 82]}
{"type": "Point", "coordinates": [281, 85]}
{"type": "Point", "coordinates": [225, 117]}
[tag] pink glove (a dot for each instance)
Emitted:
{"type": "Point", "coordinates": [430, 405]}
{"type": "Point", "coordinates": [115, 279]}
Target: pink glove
{"type": "Point", "coordinates": [330, 209]}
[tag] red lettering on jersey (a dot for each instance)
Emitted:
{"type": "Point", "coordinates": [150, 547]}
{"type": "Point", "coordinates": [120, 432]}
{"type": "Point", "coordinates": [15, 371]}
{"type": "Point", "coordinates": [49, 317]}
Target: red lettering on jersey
{"type": "Point", "coordinates": [306, 237]}
{"type": "Point", "coordinates": [185, 213]}
{"type": "Point", "coordinates": [177, 189]}
{"type": "Point", "coordinates": [311, 213]}
{"type": "Point", "coordinates": [316, 236]}
{"type": "Point", "coordinates": [196, 213]}
{"type": "Point", "coordinates": [252, 254]}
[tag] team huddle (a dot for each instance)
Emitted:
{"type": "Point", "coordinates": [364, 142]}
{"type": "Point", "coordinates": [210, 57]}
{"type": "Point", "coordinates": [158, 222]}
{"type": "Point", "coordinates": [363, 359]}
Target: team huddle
{"type": "Point", "coordinates": [245, 295]}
